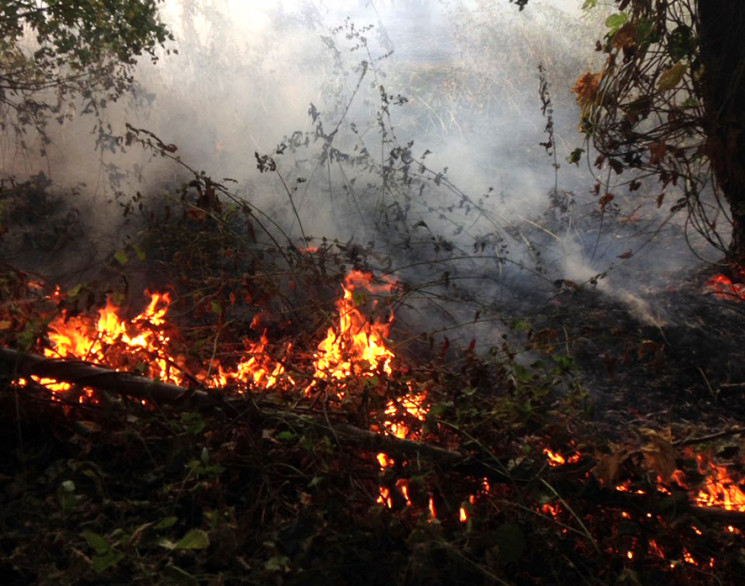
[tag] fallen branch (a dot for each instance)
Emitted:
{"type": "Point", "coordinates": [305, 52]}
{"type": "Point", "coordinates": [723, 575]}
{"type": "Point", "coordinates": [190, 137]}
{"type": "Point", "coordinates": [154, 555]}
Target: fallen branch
{"type": "Point", "coordinates": [139, 387]}
{"type": "Point", "coordinates": [569, 480]}
{"type": "Point", "coordinates": [86, 374]}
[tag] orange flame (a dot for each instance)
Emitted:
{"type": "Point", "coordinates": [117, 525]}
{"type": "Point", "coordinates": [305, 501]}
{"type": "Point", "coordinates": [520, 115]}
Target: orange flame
{"type": "Point", "coordinates": [358, 346]}
{"type": "Point", "coordinates": [111, 341]}
{"type": "Point", "coordinates": [143, 341]}
{"type": "Point", "coordinates": [720, 489]}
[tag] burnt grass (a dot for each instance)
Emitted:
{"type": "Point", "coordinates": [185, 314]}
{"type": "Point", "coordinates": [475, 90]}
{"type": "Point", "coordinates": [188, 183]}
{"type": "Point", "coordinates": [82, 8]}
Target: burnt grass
{"type": "Point", "coordinates": [687, 365]}
{"type": "Point", "coordinates": [118, 493]}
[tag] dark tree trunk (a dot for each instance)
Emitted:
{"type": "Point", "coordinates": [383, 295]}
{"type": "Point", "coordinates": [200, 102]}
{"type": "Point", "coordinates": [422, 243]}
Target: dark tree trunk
{"type": "Point", "coordinates": [723, 55]}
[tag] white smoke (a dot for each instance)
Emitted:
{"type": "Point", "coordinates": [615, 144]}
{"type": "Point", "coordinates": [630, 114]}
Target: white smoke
{"type": "Point", "coordinates": [247, 72]}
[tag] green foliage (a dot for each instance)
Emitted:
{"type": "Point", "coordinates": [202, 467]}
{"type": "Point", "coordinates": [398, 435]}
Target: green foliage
{"type": "Point", "coordinates": [646, 111]}
{"type": "Point", "coordinates": [57, 52]}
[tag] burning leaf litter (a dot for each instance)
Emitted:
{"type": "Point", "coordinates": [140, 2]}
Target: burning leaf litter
{"type": "Point", "coordinates": [356, 348]}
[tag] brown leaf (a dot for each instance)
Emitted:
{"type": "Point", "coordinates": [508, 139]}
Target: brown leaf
{"type": "Point", "coordinates": [671, 77]}
{"type": "Point", "coordinates": [657, 152]}
{"type": "Point", "coordinates": [659, 454]}
{"type": "Point", "coordinates": [648, 348]}
{"type": "Point", "coordinates": [605, 200]}
{"type": "Point", "coordinates": [625, 37]}
{"type": "Point", "coordinates": [606, 470]}
{"type": "Point", "coordinates": [586, 88]}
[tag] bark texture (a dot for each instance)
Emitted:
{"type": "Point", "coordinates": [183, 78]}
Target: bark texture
{"type": "Point", "coordinates": [723, 55]}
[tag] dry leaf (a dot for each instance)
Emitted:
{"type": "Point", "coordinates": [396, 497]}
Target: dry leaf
{"type": "Point", "coordinates": [659, 454]}
{"type": "Point", "coordinates": [671, 77]}
{"type": "Point", "coordinates": [606, 470]}
{"type": "Point", "coordinates": [657, 152]}
{"type": "Point", "coordinates": [586, 88]}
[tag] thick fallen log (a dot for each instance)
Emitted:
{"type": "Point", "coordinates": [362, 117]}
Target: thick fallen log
{"type": "Point", "coordinates": [567, 481]}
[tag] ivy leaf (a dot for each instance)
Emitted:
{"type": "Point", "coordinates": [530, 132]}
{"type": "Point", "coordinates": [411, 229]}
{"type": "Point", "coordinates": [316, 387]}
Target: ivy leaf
{"type": "Point", "coordinates": [615, 21]}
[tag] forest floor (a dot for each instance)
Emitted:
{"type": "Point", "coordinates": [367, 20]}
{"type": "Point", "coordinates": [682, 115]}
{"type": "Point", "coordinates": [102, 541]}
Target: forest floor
{"type": "Point", "coordinates": [286, 489]}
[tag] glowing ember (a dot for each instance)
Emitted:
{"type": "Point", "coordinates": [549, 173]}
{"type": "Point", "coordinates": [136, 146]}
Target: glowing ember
{"type": "Point", "coordinates": [725, 288]}
{"type": "Point", "coordinates": [556, 459]}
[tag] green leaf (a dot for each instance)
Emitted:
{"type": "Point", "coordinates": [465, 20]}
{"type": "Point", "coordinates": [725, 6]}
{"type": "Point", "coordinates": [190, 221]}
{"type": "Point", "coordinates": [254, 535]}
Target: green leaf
{"type": "Point", "coordinates": [589, 4]}
{"type": "Point", "coordinates": [216, 307]}
{"type": "Point", "coordinates": [139, 252]}
{"type": "Point", "coordinates": [66, 496]}
{"type": "Point", "coordinates": [576, 156]}
{"type": "Point", "coordinates": [166, 523]}
{"type": "Point", "coordinates": [672, 77]}
{"type": "Point", "coordinates": [277, 563]}
{"type": "Point", "coordinates": [75, 291]}
{"type": "Point", "coordinates": [194, 539]}
{"type": "Point", "coordinates": [121, 257]}
{"type": "Point", "coordinates": [681, 43]}
{"type": "Point", "coordinates": [96, 542]}
{"type": "Point", "coordinates": [615, 21]}
{"type": "Point", "coordinates": [103, 562]}
{"type": "Point", "coordinates": [645, 31]}
{"type": "Point", "coordinates": [285, 436]}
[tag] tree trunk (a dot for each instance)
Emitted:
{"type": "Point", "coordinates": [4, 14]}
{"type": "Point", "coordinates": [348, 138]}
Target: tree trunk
{"type": "Point", "coordinates": [723, 56]}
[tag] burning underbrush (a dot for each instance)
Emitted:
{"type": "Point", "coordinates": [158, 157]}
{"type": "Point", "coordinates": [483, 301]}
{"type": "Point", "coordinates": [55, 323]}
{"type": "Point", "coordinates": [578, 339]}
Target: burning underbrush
{"type": "Point", "coordinates": [197, 440]}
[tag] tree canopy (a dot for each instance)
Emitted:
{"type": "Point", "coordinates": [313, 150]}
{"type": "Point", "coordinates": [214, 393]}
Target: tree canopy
{"type": "Point", "coordinates": [54, 52]}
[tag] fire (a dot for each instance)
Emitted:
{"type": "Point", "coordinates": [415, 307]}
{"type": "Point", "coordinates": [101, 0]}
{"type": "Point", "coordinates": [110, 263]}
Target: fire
{"type": "Point", "coordinates": [357, 346]}
{"type": "Point", "coordinates": [555, 459]}
{"type": "Point", "coordinates": [143, 343]}
{"type": "Point", "coordinates": [413, 406]}
{"type": "Point", "coordinates": [354, 346]}
{"type": "Point", "coordinates": [724, 288]}
{"type": "Point", "coordinates": [720, 489]}
{"type": "Point", "coordinates": [112, 341]}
